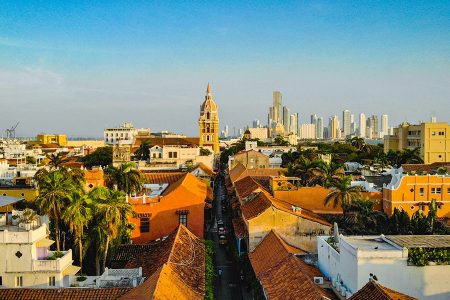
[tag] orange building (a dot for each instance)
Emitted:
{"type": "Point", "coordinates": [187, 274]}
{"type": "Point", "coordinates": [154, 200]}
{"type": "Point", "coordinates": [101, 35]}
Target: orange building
{"type": "Point", "coordinates": [311, 198]}
{"type": "Point", "coordinates": [167, 205]}
{"type": "Point", "coordinates": [413, 193]}
{"type": "Point", "coordinates": [94, 178]}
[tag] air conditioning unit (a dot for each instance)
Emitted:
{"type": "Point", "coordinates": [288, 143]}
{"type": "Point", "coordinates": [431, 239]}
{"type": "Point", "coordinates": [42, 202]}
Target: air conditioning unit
{"type": "Point", "coordinates": [318, 280]}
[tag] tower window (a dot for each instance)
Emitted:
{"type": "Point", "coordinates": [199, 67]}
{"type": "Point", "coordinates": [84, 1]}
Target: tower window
{"type": "Point", "coordinates": [207, 115]}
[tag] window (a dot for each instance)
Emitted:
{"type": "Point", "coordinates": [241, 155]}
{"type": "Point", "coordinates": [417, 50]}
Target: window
{"type": "Point", "coordinates": [19, 281]}
{"type": "Point", "coordinates": [175, 154]}
{"type": "Point", "coordinates": [183, 219]}
{"type": "Point", "coordinates": [448, 190]}
{"type": "Point", "coordinates": [436, 190]}
{"type": "Point", "coordinates": [422, 191]}
{"type": "Point", "coordinates": [441, 133]}
{"type": "Point", "coordinates": [170, 154]}
{"type": "Point", "coordinates": [422, 207]}
{"type": "Point", "coordinates": [1, 281]}
{"type": "Point", "coordinates": [52, 281]}
{"type": "Point", "coordinates": [433, 133]}
{"type": "Point", "coordinates": [145, 225]}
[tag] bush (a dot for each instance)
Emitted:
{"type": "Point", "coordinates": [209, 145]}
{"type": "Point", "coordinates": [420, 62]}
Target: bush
{"type": "Point", "coordinates": [421, 257]}
{"type": "Point", "coordinates": [210, 272]}
{"type": "Point", "coordinates": [81, 278]}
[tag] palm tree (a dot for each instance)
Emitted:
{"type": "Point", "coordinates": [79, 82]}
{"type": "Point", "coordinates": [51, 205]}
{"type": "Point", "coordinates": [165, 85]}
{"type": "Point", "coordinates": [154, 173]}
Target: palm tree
{"type": "Point", "coordinates": [411, 156]}
{"type": "Point", "coordinates": [342, 193]}
{"type": "Point", "coordinates": [124, 178]}
{"type": "Point", "coordinates": [143, 152]}
{"type": "Point", "coordinates": [77, 214]}
{"type": "Point", "coordinates": [56, 160]}
{"type": "Point", "coordinates": [329, 172]}
{"type": "Point", "coordinates": [112, 213]}
{"type": "Point", "coordinates": [305, 169]}
{"type": "Point", "coordinates": [53, 187]}
{"type": "Point", "coordinates": [358, 143]}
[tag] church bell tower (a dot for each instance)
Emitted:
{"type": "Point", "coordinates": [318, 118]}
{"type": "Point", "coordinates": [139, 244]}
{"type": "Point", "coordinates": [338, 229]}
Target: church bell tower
{"type": "Point", "coordinates": [209, 123]}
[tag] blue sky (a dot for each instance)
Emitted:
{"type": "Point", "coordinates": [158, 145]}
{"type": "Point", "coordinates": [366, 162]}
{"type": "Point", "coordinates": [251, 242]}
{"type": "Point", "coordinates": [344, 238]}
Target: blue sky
{"type": "Point", "coordinates": [78, 66]}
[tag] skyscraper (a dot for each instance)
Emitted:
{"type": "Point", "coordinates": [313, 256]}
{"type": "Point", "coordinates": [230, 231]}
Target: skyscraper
{"type": "Point", "coordinates": [333, 128]}
{"type": "Point", "coordinates": [384, 125]}
{"type": "Point", "coordinates": [362, 125]}
{"type": "Point", "coordinates": [256, 123]}
{"type": "Point", "coordinates": [314, 119]}
{"type": "Point", "coordinates": [293, 123]}
{"type": "Point", "coordinates": [346, 123]}
{"type": "Point", "coordinates": [286, 118]}
{"type": "Point", "coordinates": [319, 128]}
{"type": "Point", "coordinates": [277, 107]}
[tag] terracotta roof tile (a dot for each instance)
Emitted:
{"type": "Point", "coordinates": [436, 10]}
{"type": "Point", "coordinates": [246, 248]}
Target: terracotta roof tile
{"type": "Point", "coordinates": [63, 294]}
{"type": "Point", "coordinates": [425, 167]}
{"type": "Point", "coordinates": [159, 178]}
{"type": "Point", "coordinates": [239, 172]}
{"type": "Point", "coordinates": [255, 206]}
{"type": "Point", "coordinates": [375, 291]}
{"type": "Point", "coordinates": [282, 275]}
{"type": "Point", "coordinates": [240, 230]}
{"type": "Point", "coordinates": [175, 267]}
{"type": "Point", "coordinates": [245, 187]}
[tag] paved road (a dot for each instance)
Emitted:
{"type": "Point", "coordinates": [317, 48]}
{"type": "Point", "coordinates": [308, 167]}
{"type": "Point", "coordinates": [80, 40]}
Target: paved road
{"type": "Point", "coordinates": [228, 286]}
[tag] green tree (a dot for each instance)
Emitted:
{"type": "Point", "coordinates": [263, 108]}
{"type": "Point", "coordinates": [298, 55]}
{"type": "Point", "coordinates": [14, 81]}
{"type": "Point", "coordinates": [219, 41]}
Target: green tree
{"type": "Point", "coordinates": [77, 214]}
{"type": "Point", "coordinates": [124, 178]}
{"type": "Point", "coordinates": [56, 160]}
{"type": "Point", "coordinates": [279, 141]}
{"type": "Point", "coordinates": [143, 152]}
{"type": "Point", "coordinates": [411, 156]}
{"type": "Point", "coordinates": [327, 173]}
{"type": "Point", "coordinates": [53, 188]}
{"type": "Point", "coordinates": [342, 193]}
{"type": "Point", "coordinates": [205, 152]}
{"type": "Point", "coordinates": [100, 157]}
{"type": "Point", "coordinates": [307, 170]}
{"type": "Point", "coordinates": [358, 143]}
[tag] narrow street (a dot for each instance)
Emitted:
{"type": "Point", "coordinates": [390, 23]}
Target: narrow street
{"type": "Point", "coordinates": [228, 285]}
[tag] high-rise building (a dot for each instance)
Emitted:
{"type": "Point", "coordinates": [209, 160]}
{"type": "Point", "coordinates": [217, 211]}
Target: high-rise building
{"type": "Point", "coordinates": [346, 123]}
{"type": "Point", "coordinates": [333, 128]}
{"type": "Point", "coordinates": [277, 98]}
{"type": "Point", "coordinates": [319, 128]}
{"type": "Point", "coordinates": [314, 119]}
{"type": "Point", "coordinates": [286, 118]}
{"type": "Point", "coordinates": [384, 125]}
{"type": "Point", "coordinates": [433, 119]}
{"type": "Point", "coordinates": [256, 123]}
{"type": "Point", "coordinates": [293, 123]}
{"type": "Point", "coordinates": [209, 122]}
{"type": "Point", "coordinates": [362, 125]}
{"type": "Point", "coordinates": [308, 131]}
{"type": "Point", "coordinates": [352, 125]}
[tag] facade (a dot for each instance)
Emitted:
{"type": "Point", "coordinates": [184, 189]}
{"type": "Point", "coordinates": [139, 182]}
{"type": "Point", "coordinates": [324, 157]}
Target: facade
{"type": "Point", "coordinates": [362, 125]}
{"type": "Point", "coordinates": [25, 257]}
{"type": "Point", "coordinates": [251, 159]}
{"type": "Point", "coordinates": [346, 123]}
{"type": "Point", "coordinates": [319, 128]}
{"type": "Point", "coordinates": [433, 139]}
{"type": "Point", "coordinates": [308, 131]}
{"type": "Point", "coordinates": [260, 133]}
{"type": "Point", "coordinates": [293, 123]}
{"type": "Point", "coordinates": [209, 123]}
{"type": "Point", "coordinates": [413, 193]}
{"type": "Point", "coordinates": [384, 125]}
{"type": "Point", "coordinates": [352, 261]}
{"type": "Point", "coordinates": [165, 206]}
{"type": "Point", "coordinates": [178, 156]}
{"type": "Point", "coordinates": [276, 108]}
{"type": "Point", "coordinates": [126, 133]}
{"type": "Point", "coordinates": [333, 128]}
{"type": "Point", "coordinates": [121, 153]}
{"type": "Point", "coordinates": [60, 139]}
{"type": "Point", "coordinates": [286, 119]}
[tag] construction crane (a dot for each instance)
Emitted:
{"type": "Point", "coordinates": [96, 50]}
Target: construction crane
{"type": "Point", "coordinates": [11, 133]}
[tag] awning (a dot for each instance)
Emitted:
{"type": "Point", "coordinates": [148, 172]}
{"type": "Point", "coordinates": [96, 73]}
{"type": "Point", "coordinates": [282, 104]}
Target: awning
{"type": "Point", "coordinates": [71, 270]}
{"type": "Point", "coordinates": [7, 200]}
{"type": "Point", "coordinates": [44, 243]}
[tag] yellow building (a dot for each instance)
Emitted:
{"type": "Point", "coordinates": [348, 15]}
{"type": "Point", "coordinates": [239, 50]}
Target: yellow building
{"type": "Point", "coordinates": [209, 123]}
{"type": "Point", "coordinates": [60, 139]}
{"type": "Point", "coordinates": [433, 139]}
{"type": "Point", "coordinates": [413, 193]}
{"type": "Point", "coordinates": [28, 193]}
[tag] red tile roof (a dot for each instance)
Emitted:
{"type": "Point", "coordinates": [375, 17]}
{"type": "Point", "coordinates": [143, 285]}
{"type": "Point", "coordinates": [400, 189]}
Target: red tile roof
{"type": "Point", "coordinates": [425, 167]}
{"type": "Point", "coordinates": [63, 294]}
{"type": "Point", "coordinates": [254, 207]}
{"type": "Point", "coordinates": [246, 186]}
{"type": "Point", "coordinates": [282, 275]}
{"type": "Point", "coordinates": [159, 178]}
{"type": "Point", "coordinates": [375, 291]}
{"type": "Point", "coordinates": [240, 229]}
{"type": "Point", "coordinates": [240, 171]}
{"type": "Point", "coordinates": [175, 267]}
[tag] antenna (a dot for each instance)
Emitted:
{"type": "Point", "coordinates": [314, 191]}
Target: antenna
{"type": "Point", "coordinates": [11, 133]}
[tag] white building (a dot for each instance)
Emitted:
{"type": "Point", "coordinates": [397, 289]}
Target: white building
{"type": "Point", "coordinates": [260, 133]}
{"type": "Point", "coordinates": [177, 156]}
{"type": "Point", "coordinates": [346, 123]}
{"type": "Point", "coordinates": [384, 125]}
{"type": "Point", "coordinates": [308, 131]}
{"type": "Point", "coordinates": [25, 257]}
{"type": "Point", "coordinates": [319, 128]}
{"type": "Point", "coordinates": [362, 125]}
{"type": "Point", "coordinates": [357, 258]}
{"type": "Point", "coordinates": [126, 133]}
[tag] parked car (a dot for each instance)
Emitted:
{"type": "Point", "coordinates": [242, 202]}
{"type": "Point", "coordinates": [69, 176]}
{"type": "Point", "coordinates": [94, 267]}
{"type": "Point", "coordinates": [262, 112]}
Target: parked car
{"type": "Point", "coordinates": [222, 230]}
{"type": "Point", "coordinates": [220, 223]}
{"type": "Point", "coordinates": [223, 239]}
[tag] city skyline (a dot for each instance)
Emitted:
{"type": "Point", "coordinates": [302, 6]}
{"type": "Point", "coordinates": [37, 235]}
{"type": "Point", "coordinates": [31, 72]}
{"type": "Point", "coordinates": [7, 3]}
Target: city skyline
{"type": "Point", "coordinates": [108, 62]}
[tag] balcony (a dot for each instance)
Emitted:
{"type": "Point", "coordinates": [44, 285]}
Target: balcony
{"type": "Point", "coordinates": [57, 265]}
{"type": "Point", "coordinates": [12, 234]}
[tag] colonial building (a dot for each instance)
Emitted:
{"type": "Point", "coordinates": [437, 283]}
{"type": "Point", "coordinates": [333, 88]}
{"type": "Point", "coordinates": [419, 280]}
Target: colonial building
{"type": "Point", "coordinates": [209, 122]}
